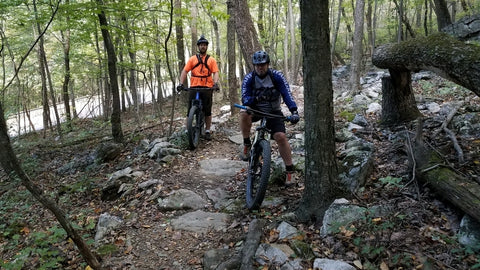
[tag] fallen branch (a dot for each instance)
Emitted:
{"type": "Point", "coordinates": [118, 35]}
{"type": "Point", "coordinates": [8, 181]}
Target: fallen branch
{"type": "Point", "coordinates": [251, 243]}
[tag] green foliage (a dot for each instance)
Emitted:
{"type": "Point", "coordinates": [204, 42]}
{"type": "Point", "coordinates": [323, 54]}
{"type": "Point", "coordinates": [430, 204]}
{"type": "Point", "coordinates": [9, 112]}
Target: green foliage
{"type": "Point", "coordinates": [42, 247]}
{"type": "Point", "coordinates": [107, 249]}
{"type": "Point", "coordinates": [391, 181]}
{"type": "Point", "coordinates": [348, 116]}
{"type": "Point", "coordinates": [84, 184]}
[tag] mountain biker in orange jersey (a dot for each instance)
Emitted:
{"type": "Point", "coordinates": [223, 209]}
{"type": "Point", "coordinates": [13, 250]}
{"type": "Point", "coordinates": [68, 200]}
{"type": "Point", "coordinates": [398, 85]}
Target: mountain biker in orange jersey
{"type": "Point", "coordinates": [263, 89]}
{"type": "Point", "coordinates": [202, 66]}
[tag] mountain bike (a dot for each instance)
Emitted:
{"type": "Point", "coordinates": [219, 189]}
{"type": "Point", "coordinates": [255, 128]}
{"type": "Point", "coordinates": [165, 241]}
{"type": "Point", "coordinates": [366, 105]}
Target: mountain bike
{"type": "Point", "coordinates": [196, 117]}
{"type": "Point", "coordinates": [260, 159]}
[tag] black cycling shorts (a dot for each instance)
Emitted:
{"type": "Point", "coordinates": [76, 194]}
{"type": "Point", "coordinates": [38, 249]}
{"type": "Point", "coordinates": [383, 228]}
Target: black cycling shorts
{"type": "Point", "coordinates": [273, 124]}
{"type": "Point", "coordinates": [206, 98]}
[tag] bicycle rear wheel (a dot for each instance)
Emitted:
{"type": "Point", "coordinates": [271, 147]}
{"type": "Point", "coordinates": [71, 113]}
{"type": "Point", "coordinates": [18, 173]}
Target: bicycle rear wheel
{"type": "Point", "coordinates": [194, 126]}
{"type": "Point", "coordinates": [258, 175]}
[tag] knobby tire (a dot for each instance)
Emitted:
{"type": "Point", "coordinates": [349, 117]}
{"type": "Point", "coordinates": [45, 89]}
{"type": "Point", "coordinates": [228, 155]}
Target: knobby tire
{"type": "Point", "coordinates": [258, 175]}
{"type": "Point", "coordinates": [194, 126]}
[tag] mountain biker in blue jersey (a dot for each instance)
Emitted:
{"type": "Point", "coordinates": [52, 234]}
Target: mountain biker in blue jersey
{"type": "Point", "coordinates": [263, 89]}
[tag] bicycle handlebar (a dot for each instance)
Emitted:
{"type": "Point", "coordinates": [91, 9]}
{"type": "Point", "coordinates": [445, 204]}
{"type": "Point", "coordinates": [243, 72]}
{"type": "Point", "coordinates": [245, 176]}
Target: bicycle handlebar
{"type": "Point", "coordinates": [199, 89]}
{"type": "Point", "coordinates": [260, 113]}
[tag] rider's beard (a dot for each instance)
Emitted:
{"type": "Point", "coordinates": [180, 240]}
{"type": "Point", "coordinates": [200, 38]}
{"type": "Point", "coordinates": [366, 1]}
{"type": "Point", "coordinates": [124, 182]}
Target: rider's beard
{"type": "Point", "coordinates": [202, 50]}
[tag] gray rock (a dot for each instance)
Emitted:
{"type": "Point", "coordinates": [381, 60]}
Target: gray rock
{"type": "Point", "coordinates": [221, 167]}
{"type": "Point", "coordinates": [327, 264]}
{"type": "Point", "coordinates": [340, 213]}
{"type": "Point", "coordinates": [182, 199]}
{"type": "Point", "coordinates": [469, 233]}
{"type": "Point", "coordinates": [201, 222]}
{"type": "Point", "coordinates": [286, 231]}
{"type": "Point", "coordinates": [106, 223]}
{"type": "Point", "coordinates": [271, 255]}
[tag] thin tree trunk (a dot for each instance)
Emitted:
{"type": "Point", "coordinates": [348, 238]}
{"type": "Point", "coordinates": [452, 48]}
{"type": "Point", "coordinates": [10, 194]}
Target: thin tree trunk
{"type": "Point", "coordinates": [335, 32]}
{"type": "Point", "coordinates": [172, 78]}
{"type": "Point", "coordinates": [66, 78]}
{"type": "Point", "coordinates": [131, 71]}
{"type": "Point", "coordinates": [368, 15]}
{"type": "Point", "coordinates": [232, 79]}
{"type": "Point", "coordinates": [292, 42]}
{"type": "Point", "coordinates": [357, 51]}
{"type": "Point", "coordinates": [116, 121]}
{"type": "Point", "coordinates": [193, 25]}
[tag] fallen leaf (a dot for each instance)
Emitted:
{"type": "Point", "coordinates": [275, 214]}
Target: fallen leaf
{"type": "Point", "coordinates": [358, 264]}
{"type": "Point", "coordinates": [25, 230]}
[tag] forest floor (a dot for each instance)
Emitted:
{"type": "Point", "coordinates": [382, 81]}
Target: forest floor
{"type": "Point", "coordinates": [419, 235]}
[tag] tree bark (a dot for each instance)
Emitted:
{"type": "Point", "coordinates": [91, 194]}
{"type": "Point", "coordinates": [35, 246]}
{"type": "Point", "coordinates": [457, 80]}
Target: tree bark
{"type": "Point", "coordinates": [180, 46]}
{"type": "Point", "coordinates": [398, 102]}
{"type": "Point", "coordinates": [439, 53]}
{"type": "Point", "coordinates": [357, 50]}
{"type": "Point", "coordinates": [335, 32]}
{"type": "Point", "coordinates": [246, 33]}
{"type": "Point", "coordinates": [320, 161]}
{"type": "Point", "coordinates": [116, 121]}
{"type": "Point", "coordinates": [443, 17]}
{"type": "Point", "coordinates": [232, 76]}
{"type": "Point", "coordinates": [66, 77]}
{"type": "Point", "coordinates": [458, 190]}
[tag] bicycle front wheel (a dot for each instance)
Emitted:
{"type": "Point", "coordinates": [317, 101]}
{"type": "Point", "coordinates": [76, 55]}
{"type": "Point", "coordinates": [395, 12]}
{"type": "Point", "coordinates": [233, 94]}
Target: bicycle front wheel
{"type": "Point", "coordinates": [258, 175]}
{"type": "Point", "coordinates": [194, 126]}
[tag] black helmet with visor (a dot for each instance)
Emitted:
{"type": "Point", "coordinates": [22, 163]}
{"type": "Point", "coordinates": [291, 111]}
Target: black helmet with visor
{"type": "Point", "coordinates": [260, 57]}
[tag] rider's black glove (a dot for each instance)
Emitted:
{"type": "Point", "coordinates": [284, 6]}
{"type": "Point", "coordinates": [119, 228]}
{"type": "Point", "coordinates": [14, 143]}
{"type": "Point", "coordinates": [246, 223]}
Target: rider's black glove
{"type": "Point", "coordinates": [216, 87]}
{"type": "Point", "coordinates": [294, 118]}
{"type": "Point", "coordinates": [180, 88]}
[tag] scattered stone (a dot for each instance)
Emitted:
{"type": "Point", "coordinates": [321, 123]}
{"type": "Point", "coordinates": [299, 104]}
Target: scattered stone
{"type": "Point", "coordinates": [327, 264]}
{"type": "Point", "coordinates": [201, 222]}
{"type": "Point", "coordinates": [182, 199]}
{"type": "Point", "coordinates": [106, 223]}
{"type": "Point", "coordinates": [221, 167]}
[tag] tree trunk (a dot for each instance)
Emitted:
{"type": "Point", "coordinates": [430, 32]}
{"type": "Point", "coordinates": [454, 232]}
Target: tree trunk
{"type": "Point", "coordinates": [398, 102]}
{"type": "Point", "coordinates": [172, 78]}
{"type": "Point", "coordinates": [116, 121]}
{"type": "Point", "coordinates": [246, 34]}
{"type": "Point", "coordinates": [357, 51]}
{"type": "Point", "coordinates": [439, 53]}
{"type": "Point", "coordinates": [260, 23]}
{"type": "Point", "coordinates": [443, 17]}
{"type": "Point", "coordinates": [180, 45]}
{"type": "Point", "coordinates": [368, 16]}
{"type": "Point", "coordinates": [131, 71]}
{"type": "Point", "coordinates": [102, 84]}
{"type": "Point", "coordinates": [337, 27]}
{"type": "Point", "coordinates": [320, 161]}
{"type": "Point", "coordinates": [458, 190]}
{"type": "Point", "coordinates": [232, 76]}
{"type": "Point", "coordinates": [66, 77]}
{"type": "Point", "coordinates": [193, 26]}
{"type": "Point", "coordinates": [291, 29]}
{"type": "Point", "coordinates": [46, 74]}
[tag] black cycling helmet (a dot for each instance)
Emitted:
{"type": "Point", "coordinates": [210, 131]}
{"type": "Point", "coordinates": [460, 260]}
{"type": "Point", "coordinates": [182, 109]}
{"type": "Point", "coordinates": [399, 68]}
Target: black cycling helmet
{"type": "Point", "coordinates": [202, 40]}
{"type": "Point", "coordinates": [260, 57]}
